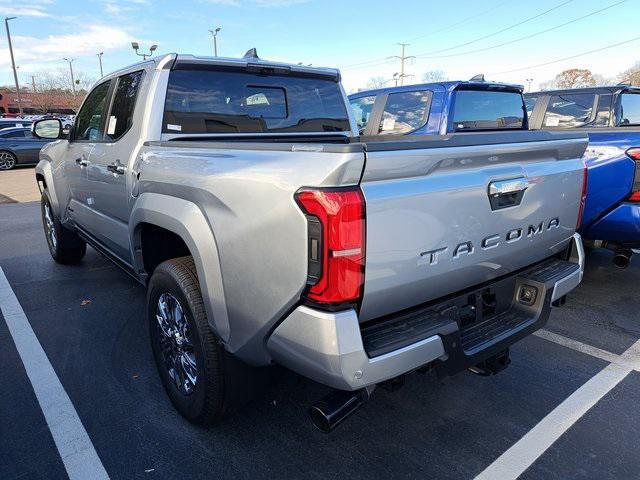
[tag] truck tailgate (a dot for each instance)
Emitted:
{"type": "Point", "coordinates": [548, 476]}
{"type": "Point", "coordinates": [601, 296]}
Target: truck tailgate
{"type": "Point", "coordinates": [446, 214]}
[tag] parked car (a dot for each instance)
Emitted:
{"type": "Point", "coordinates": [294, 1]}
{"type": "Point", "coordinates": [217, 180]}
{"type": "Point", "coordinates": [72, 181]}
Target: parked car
{"type": "Point", "coordinates": [18, 146]}
{"type": "Point", "coordinates": [14, 122]}
{"type": "Point", "coordinates": [611, 118]}
{"type": "Point", "coordinates": [266, 231]}
{"type": "Point", "coordinates": [439, 108]}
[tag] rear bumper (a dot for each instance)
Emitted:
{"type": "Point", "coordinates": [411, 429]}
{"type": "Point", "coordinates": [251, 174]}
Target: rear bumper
{"type": "Point", "coordinates": [336, 350]}
{"type": "Point", "coordinates": [621, 225]}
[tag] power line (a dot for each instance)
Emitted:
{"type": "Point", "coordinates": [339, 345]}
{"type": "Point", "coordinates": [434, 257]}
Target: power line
{"type": "Point", "coordinates": [567, 58]}
{"type": "Point", "coordinates": [377, 61]}
{"type": "Point", "coordinates": [465, 20]}
{"type": "Point", "coordinates": [526, 37]}
{"type": "Point", "coordinates": [493, 34]}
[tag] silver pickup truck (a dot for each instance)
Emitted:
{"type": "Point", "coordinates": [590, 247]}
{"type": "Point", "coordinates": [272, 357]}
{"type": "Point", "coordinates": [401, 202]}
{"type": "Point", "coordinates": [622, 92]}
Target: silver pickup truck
{"type": "Point", "coordinates": [267, 233]}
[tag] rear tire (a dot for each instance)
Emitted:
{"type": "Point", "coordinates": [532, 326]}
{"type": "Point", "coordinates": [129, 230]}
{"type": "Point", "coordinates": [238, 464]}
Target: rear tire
{"type": "Point", "coordinates": [192, 363]}
{"type": "Point", "coordinates": [65, 246]}
{"type": "Point", "coordinates": [7, 160]}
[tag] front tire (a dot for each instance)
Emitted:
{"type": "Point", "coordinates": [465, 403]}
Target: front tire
{"type": "Point", "coordinates": [65, 246]}
{"type": "Point", "coordinates": [189, 357]}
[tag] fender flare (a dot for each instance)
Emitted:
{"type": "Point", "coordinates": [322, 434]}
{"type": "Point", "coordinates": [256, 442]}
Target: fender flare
{"type": "Point", "coordinates": [44, 168]}
{"type": "Point", "coordinates": [185, 219]}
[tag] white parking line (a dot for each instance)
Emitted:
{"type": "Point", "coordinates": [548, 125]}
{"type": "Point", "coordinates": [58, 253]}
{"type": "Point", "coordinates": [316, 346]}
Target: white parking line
{"type": "Point", "coordinates": [512, 463]}
{"type": "Point", "coordinates": [72, 441]}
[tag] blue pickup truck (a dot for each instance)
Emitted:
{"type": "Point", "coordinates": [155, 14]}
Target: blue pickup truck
{"type": "Point", "coordinates": [611, 118]}
{"type": "Point", "coordinates": [609, 115]}
{"type": "Point", "coordinates": [439, 108]}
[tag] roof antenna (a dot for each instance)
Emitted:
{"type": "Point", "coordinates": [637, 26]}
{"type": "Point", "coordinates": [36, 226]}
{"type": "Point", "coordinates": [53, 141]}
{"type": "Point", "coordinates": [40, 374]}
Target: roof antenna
{"type": "Point", "coordinates": [477, 78]}
{"type": "Point", "coordinates": [252, 53]}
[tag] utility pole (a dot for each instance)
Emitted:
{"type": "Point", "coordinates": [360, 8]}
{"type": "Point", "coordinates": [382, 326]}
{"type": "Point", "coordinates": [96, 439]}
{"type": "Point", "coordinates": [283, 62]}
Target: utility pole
{"type": "Point", "coordinates": [214, 34]}
{"type": "Point", "coordinates": [13, 62]}
{"type": "Point", "coordinates": [33, 83]}
{"type": "Point", "coordinates": [402, 58]}
{"type": "Point", "coordinates": [73, 82]}
{"type": "Point", "coordinates": [100, 60]}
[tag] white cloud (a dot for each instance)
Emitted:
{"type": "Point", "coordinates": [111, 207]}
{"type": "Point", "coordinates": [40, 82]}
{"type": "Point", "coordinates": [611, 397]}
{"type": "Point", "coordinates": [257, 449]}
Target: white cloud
{"type": "Point", "coordinates": [95, 38]}
{"type": "Point", "coordinates": [34, 11]}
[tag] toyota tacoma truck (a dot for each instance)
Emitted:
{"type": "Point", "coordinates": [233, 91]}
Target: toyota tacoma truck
{"type": "Point", "coordinates": [266, 231]}
{"type": "Point", "coordinates": [611, 117]}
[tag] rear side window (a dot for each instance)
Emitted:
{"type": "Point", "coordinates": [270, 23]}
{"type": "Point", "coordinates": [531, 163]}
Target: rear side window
{"type": "Point", "coordinates": [604, 111]}
{"type": "Point", "coordinates": [569, 110]}
{"type": "Point", "coordinates": [230, 102]}
{"type": "Point", "coordinates": [14, 134]}
{"type": "Point", "coordinates": [630, 109]}
{"type": "Point", "coordinates": [362, 108]}
{"type": "Point", "coordinates": [405, 112]}
{"type": "Point", "coordinates": [529, 104]}
{"type": "Point", "coordinates": [487, 110]}
{"type": "Point", "coordinates": [89, 122]}
{"type": "Point", "coordinates": [124, 102]}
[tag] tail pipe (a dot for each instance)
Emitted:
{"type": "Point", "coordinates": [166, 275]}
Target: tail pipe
{"type": "Point", "coordinates": [336, 407]}
{"type": "Point", "coordinates": [622, 255]}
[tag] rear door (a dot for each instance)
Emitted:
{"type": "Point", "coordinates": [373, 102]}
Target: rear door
{"type": "Point", "coordinates": [445, 215]}
{"type": "Point", "coordinates": [108, 167]}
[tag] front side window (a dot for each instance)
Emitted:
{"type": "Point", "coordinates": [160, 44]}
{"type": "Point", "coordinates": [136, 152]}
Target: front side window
{"type": "Point", "coordinates": [89, 123]}
{"type": "Point", "coordinates": [487, 110]}
{"type": "Point", "coordinates": [124, 102]}
{"type": "Point", "coordinates": [220, 101]}
{"type": "Point", "coordinates": [362, 108]}
{"type": "Point", "coordinates": [405, 112]}
{"type": "Point", "coordinates": [569, 110]}
{"type": "Point", "coordinates": [630, 109]}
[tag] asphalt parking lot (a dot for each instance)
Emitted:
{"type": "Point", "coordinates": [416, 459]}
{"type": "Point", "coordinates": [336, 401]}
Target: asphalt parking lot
{"type": "Point", "coordinates": [566, 407]}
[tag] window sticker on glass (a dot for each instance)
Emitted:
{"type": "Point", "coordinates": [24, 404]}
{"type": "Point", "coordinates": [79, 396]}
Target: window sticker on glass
{"type": "Point", "coordinates": [112, 125]}
{"type": "Point", "coordinates": [551, 122]}
{"type": "Point", "coordinates": [388, 124]}
{"type": "Point", "coordinates": [175, 128]}
{"type": "Point", "coordinates": [258, 99]}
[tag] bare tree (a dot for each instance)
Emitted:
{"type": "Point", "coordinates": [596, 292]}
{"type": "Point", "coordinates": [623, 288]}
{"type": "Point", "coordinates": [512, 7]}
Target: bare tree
{"type": "Point", "coordinates": [631, 75]}
{"type": "Point", "coordinates": [54, 88]}
{"type": "Point", "coordinates": [376, 82]}
{"type": "Point", "coordinates": [574, 78]}
{"type": "Point", "coordinates": [433, 76]}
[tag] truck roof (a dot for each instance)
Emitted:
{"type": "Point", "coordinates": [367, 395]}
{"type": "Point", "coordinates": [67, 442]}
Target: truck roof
{"type": "Point", "coordinates": [448, 85]}
{"type": "Point", "coordinates": [597, 89]}
{"type": "Point", "coordinates": [170, 60]}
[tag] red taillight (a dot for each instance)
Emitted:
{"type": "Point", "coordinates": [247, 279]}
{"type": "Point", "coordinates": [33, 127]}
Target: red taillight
{"type": "Point", "coordinates": [634, 153]}
{"type": "Point", "coordinates": [583, 197]}
{"type": "Point", "coordinates": [336, 244]}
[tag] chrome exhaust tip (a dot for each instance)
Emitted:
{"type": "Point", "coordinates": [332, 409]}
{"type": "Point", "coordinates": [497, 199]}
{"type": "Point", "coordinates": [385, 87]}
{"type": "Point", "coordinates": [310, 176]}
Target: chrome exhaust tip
{"type": "Point", "coordinates": [336, 407]}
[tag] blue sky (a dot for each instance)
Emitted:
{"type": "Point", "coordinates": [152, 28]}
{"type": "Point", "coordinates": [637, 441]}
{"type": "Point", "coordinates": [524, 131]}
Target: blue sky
{"type": "Point", "coordinates": [330, 33]}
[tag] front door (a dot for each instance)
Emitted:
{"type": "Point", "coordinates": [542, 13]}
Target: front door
{"type": "Point", "coordinates": [109, 168]}
{"type": "Point", "coordinates": [87, 133]}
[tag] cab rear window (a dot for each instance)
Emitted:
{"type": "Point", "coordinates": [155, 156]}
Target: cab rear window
{"type": "Point", "coordinates": [487, 110]}
{"type": "Point", "coordinates": [233, 102]}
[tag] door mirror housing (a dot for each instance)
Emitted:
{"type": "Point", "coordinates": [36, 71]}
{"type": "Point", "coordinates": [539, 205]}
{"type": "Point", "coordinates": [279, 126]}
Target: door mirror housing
{"type": "Point", "coordinates": [48, 129]}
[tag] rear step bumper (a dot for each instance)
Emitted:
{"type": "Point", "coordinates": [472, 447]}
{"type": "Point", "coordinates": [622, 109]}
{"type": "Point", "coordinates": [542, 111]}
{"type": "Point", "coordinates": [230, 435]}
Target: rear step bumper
{"type": "Point", "coordinates": [334, 349]}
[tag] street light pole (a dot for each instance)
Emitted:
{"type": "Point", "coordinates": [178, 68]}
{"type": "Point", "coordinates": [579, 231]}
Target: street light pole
{"type": "Point", "coordinates": [214, 34]}
{"type": "Point", "coordinates": [529, 81]}
{"type": "Point", "coordinates": [73, 81]}
{"type": "Point", "coordinates": [100, 60]}
{"type": "Point", "coordinates": [144, 56]}
{"type": "Point", "coordinates": [13, 62]}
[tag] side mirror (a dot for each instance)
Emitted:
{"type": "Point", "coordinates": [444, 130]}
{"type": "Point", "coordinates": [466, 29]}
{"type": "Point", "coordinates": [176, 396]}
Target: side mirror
{"type": "Point", "coordinates": [49, 129]}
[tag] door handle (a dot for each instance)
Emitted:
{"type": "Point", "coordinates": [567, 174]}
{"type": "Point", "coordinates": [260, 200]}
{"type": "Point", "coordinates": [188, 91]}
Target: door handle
{"type": "Point", "coordinates": [83, 162]}
{"type": "Point", "coordinates": [116, 168]}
